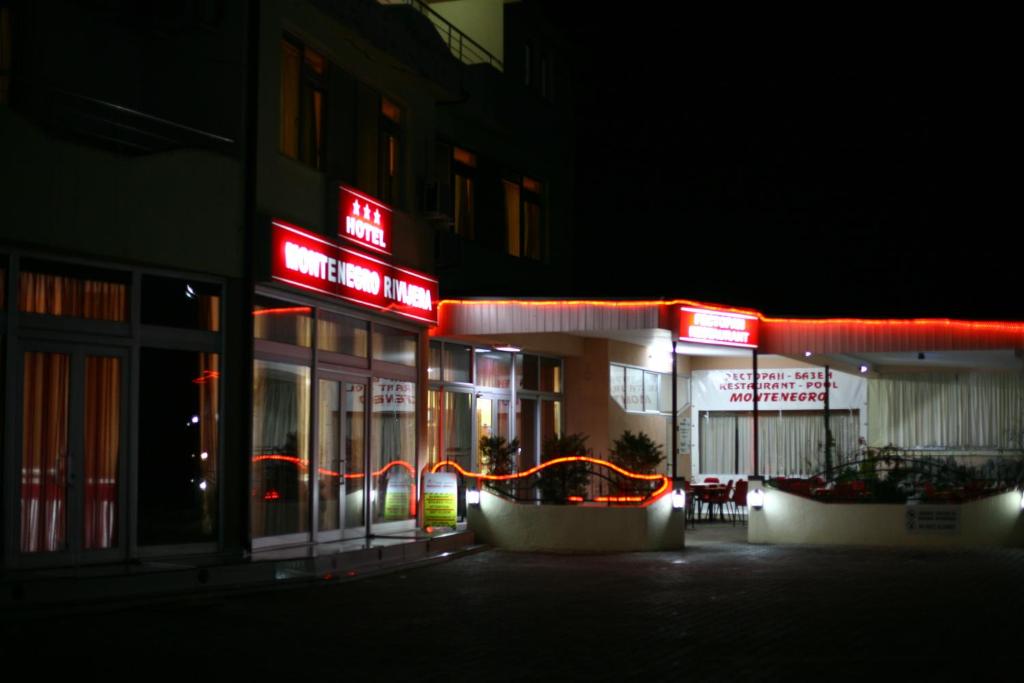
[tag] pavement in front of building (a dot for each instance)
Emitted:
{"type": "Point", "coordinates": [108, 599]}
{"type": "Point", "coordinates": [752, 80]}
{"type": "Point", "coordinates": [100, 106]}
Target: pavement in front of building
{"type": "Point", "coordinates": [718, 610]}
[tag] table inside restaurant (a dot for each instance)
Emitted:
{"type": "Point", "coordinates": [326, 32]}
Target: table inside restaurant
{"type": "Point", "coordinates": [704, 493]}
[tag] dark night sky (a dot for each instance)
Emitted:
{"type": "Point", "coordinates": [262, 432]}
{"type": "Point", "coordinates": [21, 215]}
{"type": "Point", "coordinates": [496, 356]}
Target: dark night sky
{"type": "Point", "coordinates": [874, 175]}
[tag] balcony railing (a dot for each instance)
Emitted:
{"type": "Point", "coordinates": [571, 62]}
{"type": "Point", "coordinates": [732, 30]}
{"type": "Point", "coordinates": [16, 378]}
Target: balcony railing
{"type": "Point", "coordinates": [462, 47]}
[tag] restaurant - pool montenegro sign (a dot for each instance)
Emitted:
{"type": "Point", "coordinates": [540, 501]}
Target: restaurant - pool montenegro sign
{"type": "Point", "coordinates": [440, 498]}
{"type": "Point", "coordinates": [778, 389]}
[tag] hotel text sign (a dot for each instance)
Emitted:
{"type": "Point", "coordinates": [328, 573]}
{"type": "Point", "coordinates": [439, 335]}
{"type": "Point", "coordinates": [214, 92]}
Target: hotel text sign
{"type": "Point", "coordinates": [308, 261]}
{"type": "Point", "coordinates": [363, 220]}
{"type": "Point", "coordinates": [708, 326]}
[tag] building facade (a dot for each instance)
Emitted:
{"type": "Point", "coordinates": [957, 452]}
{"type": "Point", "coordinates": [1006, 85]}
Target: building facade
{"type": "Point", "coordinates": [226, 227]}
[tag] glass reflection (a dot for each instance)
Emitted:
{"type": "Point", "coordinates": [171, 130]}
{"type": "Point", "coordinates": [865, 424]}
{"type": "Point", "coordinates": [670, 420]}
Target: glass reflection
{"type": "Point", "coordinates": [393, 450]}
{"type": "Point", "coordinates": [280, 463]}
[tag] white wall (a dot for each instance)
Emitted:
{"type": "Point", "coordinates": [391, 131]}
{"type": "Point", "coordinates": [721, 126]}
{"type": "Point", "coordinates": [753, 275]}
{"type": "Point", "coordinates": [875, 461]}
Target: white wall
{"type": "Point", "coordinates": [577, 528]}
{"type": "Point", "coordinates": [786, 518]}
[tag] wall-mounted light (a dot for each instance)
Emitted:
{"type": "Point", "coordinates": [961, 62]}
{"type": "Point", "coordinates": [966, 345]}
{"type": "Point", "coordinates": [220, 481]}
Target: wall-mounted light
{"type": "Point", "coordinates": [679, 499]}
{"type": "Point", "coordinates": [755, 495]}
{"type": "Point", "coordinates": [472, 496]}
{"type": "Point", "coordinates": [863, 369]}
{"type": "Point", "coordinates": [508, 347]}
{"type": "Point", "coordinates": [807, 354]}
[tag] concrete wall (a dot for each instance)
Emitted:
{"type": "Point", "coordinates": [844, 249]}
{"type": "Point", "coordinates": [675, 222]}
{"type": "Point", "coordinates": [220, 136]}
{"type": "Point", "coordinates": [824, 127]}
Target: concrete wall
{"type": "Point", "coordinates": [785, 518]}
{"type": "Point", "coordinates": [573, 528]}
{"type": "Point", "coordinates": [587, 394]}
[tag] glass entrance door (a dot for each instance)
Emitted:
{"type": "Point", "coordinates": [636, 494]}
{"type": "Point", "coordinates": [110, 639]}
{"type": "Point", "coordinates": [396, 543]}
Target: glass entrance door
{"type": "Point", "coordinates": [492, 419]}
{"type": "Point", "coordinates": [341, 458]}
{"type": "Point", "coordinates": [72, 455]}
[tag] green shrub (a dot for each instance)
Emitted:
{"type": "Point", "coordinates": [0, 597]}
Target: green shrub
{"type": "Point", "coordinates": [636, 453]}
{"type": "Point", "coordinates": [558, 482]}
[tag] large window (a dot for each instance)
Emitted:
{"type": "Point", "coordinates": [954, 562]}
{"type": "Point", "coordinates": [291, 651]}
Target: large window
{"type": "Point", "coordinates": [303, 72]}
{"type": "Point", "coordinates": [178, 446]}
{"type": "Point", "coordinates": [280, 438]}
{"type": "Point", "coordinates": [94, 342]}
{"type": "Point", "coordinates": [523, 218]}
{"type": "Point", "coordinates": [393, 451]}
{"type": "Point", "coordinates": [640, 391]}
{"type": "Point", "coordinates": [335, 417]}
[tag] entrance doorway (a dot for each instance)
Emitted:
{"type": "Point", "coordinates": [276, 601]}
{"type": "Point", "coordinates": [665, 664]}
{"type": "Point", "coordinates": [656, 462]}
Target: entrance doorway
{"type": "Point", "coordinates": [341, 458]}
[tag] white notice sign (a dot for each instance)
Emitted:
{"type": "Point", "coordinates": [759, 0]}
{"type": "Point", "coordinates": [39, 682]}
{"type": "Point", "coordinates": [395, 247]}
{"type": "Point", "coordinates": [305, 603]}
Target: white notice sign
{"type": "Point", "coordinates": [933, 519]}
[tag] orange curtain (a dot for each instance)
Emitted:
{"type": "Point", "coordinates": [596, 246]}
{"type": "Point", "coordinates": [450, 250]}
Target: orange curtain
{"type": "Point", "coordinates": [512, 219]}
{"type": "Point", "coordinates": [72, 297]}
{"type": "Point", "coordinates": [44, 453]}
{"type": "Point", "coordinates": [102, 450]}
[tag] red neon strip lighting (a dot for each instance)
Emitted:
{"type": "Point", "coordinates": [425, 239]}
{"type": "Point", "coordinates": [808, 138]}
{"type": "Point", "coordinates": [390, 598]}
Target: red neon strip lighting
{"type": "Point", "coordinates": [283, 311]}
{"type": "Point", "coordinates": [658, 493]}
{"type": "Point", "coordinates": [331, 473]}
{"type": "Point", "coordinates": [575, 499]}
{"type": "Point", "coordinates": [619, 499]}
{"type": "Point", "coordinates": [1008, 326]}
{"type": "Point", "coordinates": [208, 375]}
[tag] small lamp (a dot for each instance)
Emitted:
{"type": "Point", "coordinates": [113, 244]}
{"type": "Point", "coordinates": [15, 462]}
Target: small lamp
{"type": "Point", "coordinates": [472, 496]}
{"type": "Point", "coordinates": [679, 499]}
{"type": "Point", "coordinates": [755, 495]}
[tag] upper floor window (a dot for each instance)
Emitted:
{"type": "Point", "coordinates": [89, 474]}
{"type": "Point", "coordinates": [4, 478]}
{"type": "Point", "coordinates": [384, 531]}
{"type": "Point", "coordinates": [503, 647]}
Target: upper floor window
{"type": "Point", "coordinates": [523, 218]}
{"type": "Point", "coordinates": [464, 180]}
{"type": "Point", "coordinates": [303, 72]}
{"type": "Point", "coordinates": [390, 150]}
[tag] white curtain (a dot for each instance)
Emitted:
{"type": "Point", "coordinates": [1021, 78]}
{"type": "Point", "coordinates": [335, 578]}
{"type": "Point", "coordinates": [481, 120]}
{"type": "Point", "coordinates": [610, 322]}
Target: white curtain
{"type": "Point", "coordinates": [947, 410]}
{"type": "Point", "coordinates": [790, 443]}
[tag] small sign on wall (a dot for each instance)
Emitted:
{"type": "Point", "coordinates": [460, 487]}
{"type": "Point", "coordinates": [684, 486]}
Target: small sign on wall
{"type": "Point", "coordinates": [933, 519]}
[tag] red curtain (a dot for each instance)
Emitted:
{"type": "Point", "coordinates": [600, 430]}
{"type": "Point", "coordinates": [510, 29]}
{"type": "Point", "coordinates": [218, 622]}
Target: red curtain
{"type": "Point", "coordinates": [102, 449]}
{"type": "Point", "coordinates": [44, 452]}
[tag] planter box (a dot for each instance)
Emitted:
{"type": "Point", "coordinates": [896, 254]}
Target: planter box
{"type": "Point", "coordinates": [787, 518]}
{"type": "Point", "coordinates": [577, 528]}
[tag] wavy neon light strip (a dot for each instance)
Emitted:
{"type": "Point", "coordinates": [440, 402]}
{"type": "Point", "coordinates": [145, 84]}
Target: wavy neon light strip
{"type": "Point", "coordinates": [666, 484]}
{"type": "Point", "coordinates": [331, 473]}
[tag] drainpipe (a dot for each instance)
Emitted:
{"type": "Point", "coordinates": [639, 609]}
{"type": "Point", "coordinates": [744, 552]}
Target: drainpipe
{"type": "Point", "coordinates": [828, 427]}
{"type": "Point", "coordinates": [753, 353]}
{"type": "Point", "coordinates": [249, 229]}
{"type": "Point", "coordinates": [675, 415]}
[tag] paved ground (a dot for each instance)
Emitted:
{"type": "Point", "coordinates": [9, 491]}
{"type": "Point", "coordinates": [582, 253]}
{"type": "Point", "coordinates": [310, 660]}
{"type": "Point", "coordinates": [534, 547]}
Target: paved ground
{"type": "Point", "coordinates": [720, 610]}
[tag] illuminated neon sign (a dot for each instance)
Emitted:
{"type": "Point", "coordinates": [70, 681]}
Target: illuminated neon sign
{"type": "Point", "coordinates": [724, 328]}
{"type": "Point", "coordinates": [364, 220]}
{"type": "Point", "coordinates": [302, 259]}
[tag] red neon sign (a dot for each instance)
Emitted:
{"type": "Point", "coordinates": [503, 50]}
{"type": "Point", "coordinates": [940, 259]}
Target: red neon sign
{"type": "Point", "coordinates": [713, 326]}
{"type": "Point", "coordinates": [364, 220]}
{"type": "Point", "coordinates": [302, 259]}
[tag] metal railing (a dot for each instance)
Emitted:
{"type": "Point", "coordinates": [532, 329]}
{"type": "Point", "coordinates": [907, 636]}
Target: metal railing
{"type": "Point", "coordinates": [892, 475]}
{"type": "Point", "coordinates": [462, 47]}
